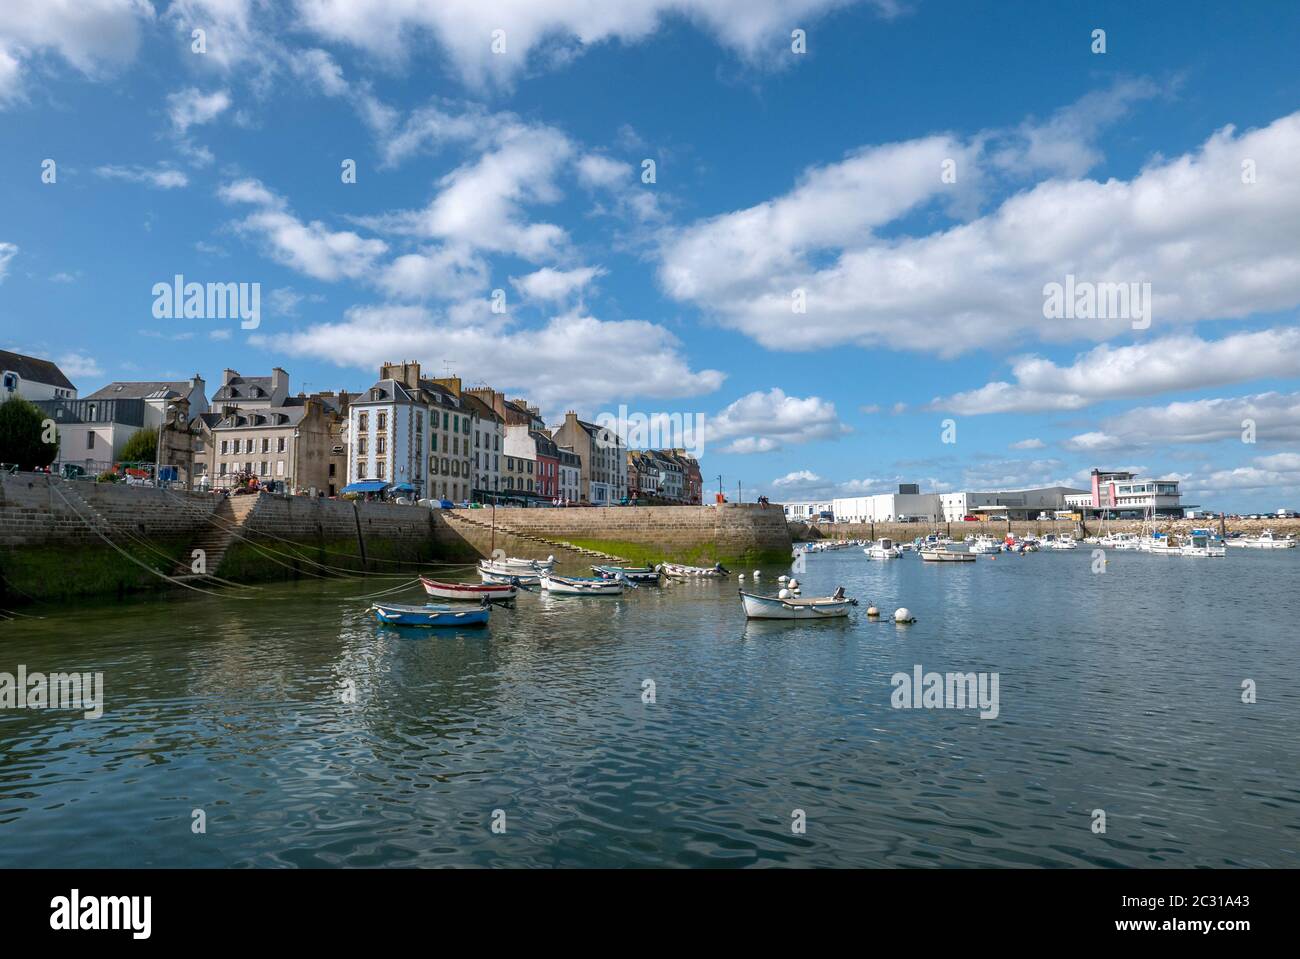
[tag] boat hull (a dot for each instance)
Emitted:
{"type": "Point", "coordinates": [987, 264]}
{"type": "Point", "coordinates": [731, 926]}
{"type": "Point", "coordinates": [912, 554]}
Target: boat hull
{"type": "Point", "coordinates": [636, 574]}
{"type": "Point", "coordinates": [468, 592]}
{"type": "Point", "coordinates": [773, 607]}
{"type": "Point", "coordinates": [944, 556]}
{"type": "Point", "coordinates": [566, 586]}
{"type": "Point", "coordinates": [493, 578]}
{"type": "Point", "coordinates": [396, 614]}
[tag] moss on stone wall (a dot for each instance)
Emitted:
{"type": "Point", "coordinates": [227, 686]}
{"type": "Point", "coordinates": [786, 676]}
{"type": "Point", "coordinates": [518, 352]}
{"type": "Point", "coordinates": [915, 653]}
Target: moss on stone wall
{"type": "Point", "coordinates": [51, 573]}
{"type": "Point", "coordinates": [705, 554]}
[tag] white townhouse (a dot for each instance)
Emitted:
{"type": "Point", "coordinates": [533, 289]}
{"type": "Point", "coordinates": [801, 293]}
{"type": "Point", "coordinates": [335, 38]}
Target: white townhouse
{"type": "Point", "coordinates": [32, 379]}
{"type": "Point", "coordinates": [387, 437]}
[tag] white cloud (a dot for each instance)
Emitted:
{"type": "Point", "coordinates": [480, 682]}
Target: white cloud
{"type": "Point", "coordinates": [572, 361]}
{"type": "Point", "coordinates": [1029, 444]}
{"type": "Point", "coordinates": [799, 478]}
{"type": "Point", "coordinates": [79, 364]}
{"type": "Point", "coordinates": [160, 177]}
{"type": "Point", "coordinates": [7, 252]}
{"type": "Point", "coordinates": [449, 272]}
{"type": "Point", "coordinates": [760, 422]}
{"type": "Point", "coordinates": [1064, 144]}
{"type": "Point", "coordinates": [554, 31]}
{"type": "Point", "coordinates": [1275, 418]}
{"type": "Point", "coordinates": [311, 248]}
{"type": "Point", "coordinates": [552, 285]}
{"type": "Point", "coordinates": [1171, 363]}
{"type": "Point", "coordinates": [1212, 247]}
{"type": "Point", "coordinates": [596, 170]}
{"type": "Point", "coordinates": [94, 36]}
{"type": "Point", "coordinates": [192, 107]}
{"type": "Point", "coordinates": [480, 204]}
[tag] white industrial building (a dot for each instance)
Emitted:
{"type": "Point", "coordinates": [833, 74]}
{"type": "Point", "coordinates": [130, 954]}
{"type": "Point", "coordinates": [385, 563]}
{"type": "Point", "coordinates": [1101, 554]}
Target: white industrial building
{"type": "Point", "coordinates": [805, 511]}
{"type": "Point", "coordinates": [905, 506]}
{"type": "Point", "coordinates": [1015, 504]}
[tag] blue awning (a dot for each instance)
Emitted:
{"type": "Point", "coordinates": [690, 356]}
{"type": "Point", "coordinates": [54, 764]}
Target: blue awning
{"type": "Point", "coordinates": [366, 486]}
{"type": "Point", "coordinates": [404, 488]}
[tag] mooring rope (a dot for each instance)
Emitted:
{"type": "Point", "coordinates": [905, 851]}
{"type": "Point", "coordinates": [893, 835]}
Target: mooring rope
{"type": "Point", "coordinates": [143, 565]}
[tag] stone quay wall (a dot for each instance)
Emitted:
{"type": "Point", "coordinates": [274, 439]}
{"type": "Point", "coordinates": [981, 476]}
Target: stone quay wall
{"type": "Point", "coordinates": [682, 533]}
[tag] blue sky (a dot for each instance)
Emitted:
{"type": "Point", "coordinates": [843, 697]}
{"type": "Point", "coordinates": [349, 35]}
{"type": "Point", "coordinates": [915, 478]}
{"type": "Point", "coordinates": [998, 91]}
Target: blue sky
{"type": "Point", "coordinates": [775, 171]}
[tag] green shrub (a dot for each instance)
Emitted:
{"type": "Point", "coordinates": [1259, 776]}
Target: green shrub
{"type": "Point", "coordinates": [21, 439]}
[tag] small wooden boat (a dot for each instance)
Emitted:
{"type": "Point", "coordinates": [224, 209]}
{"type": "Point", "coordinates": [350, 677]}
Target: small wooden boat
{"type": "Point", "coordinates": [509, 579]}
{"type": "Point", "coordinates": [400, 614]}
{"type": "Point", "coordinates": [636, 574]}
{"type": "Point", "coordinates": [939, 555]}
{"type": "Point", "coordinates": [582, 585]}
{"type": "Point", "coordinates": [472, 592]}
{"type": "Point", "coordinates": [777, 607]}
{"type": "Point", "coordinates": [678, 571]}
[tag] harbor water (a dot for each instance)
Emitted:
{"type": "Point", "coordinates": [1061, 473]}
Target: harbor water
{"type": "Point", "coordinates": [660, 729]}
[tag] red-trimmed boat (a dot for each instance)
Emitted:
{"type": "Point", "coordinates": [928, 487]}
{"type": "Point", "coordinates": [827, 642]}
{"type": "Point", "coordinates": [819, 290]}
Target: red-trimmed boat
{"type": "Point", "coordinates": [473, 592]}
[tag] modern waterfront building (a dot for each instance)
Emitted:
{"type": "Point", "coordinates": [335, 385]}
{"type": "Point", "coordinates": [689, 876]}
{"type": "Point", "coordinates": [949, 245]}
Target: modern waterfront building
{"type": "Point", "coordinates": [32, 379]}
{"type": "Point", "coordinates": [1013, 504]}
{"type": "Point", "coordinates": [1126, 495]}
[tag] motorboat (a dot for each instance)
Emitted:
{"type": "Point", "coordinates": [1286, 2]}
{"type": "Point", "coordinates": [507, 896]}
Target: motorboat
{"type": "Point", "coordinates": [473, 592]}
{"type": "Point", "coordinates": [1159, 544]}
{"type": "Point", "coordinates": [1064, 541]}
{"type": "Point", "coordinates": [1265, 540]}
{"type": "Point", "coordinates": [1201, 544]}
{"type": "Point", "coordinates": [400, 614]}
{"type": "Point", "coordinates": [507, 563]}
{"type": "Point", "coordinates": [790, 607]}
{"type": "Point", "coordinates": [883, 548]}
{"type": "Point", "coordinates": [984, 544]}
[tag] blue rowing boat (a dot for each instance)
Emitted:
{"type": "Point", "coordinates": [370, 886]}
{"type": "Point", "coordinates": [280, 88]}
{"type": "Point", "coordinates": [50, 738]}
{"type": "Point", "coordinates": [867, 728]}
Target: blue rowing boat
{"type": "Point", "coordinates": [400, 614]}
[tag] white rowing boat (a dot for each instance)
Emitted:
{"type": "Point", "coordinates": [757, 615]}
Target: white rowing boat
{"type": "Point", "coordinates": [582, 586]}
{"type": "Point", "coordinates": [777, 607]}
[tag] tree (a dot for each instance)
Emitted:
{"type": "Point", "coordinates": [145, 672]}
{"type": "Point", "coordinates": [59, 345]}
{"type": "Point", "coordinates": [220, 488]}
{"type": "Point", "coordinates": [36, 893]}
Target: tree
{"type": "Point", "coordinates": [23, 432]}
{"type": "Point", "coordinates": [142, 447]}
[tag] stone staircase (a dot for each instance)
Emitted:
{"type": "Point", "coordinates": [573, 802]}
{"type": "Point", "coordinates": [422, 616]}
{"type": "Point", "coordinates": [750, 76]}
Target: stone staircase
{"type": "Point", "coordinates": [224, 526]}
{"type": "Point", "coordinates": [454, 517]}
{"type": "Point", "coordinates": [80, 504]}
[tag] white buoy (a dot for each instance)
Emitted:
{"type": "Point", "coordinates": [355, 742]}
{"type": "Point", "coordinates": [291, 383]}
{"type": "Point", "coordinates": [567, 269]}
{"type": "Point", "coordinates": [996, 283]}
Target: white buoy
{"type": "Point", "coordinates": [782, 579]}
{"type": "Point", "coordinates": [757, 573]}
{"type": "Point", "coordinates": [741, 577]}
{"type": "Point", "coordinates": [784, 594]}
{"type": "Point", "coordinates": [904, 615]}
{"type": "Point", "coordinates": [794, 584]}
{"type": "Point", "coordinates": [872, 611]}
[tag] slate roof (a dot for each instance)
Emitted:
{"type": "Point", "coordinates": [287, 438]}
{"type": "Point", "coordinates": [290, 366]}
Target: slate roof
{"type": "Point", "coordinates": [34, 369]}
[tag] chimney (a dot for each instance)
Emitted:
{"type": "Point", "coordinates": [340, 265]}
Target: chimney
{"type": "Point", "coordinates": [227, 375]}
{"type": "Point", "coordinates": [279, 382]}
{"type": "Point", "coordinates": [407, 373]}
